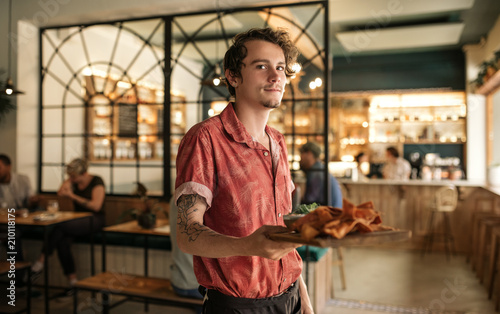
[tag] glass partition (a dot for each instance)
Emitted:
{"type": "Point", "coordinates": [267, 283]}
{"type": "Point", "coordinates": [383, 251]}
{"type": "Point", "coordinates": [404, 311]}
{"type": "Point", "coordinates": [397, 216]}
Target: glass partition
{"type": "Point", "coordinates": [102, 99]}
{"type": "Point", "coordinates": [108, 96]}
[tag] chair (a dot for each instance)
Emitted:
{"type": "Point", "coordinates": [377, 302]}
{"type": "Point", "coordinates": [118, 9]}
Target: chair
{"type": "Point", "coordinates": [444, 202]}
{"type": "Point", "coordinates": [340, 263]}
{"type": "Point", "coordinates": [340, 254]}
{"type": "Point", "coordinates": [5, 267]}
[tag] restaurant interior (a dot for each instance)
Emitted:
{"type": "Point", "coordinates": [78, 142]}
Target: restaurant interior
{"type": "Point", "coordinates": [119, 83]}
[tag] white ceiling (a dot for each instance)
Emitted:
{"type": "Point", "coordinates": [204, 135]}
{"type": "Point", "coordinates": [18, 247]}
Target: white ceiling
{"type": "Point", "coordinates": [371, 23]}
{"type": "Point", "coordinates": [389, 25]}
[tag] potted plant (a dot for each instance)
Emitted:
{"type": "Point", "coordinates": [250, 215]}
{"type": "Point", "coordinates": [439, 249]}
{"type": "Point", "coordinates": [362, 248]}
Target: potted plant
{"type": "Point", "coordinates": [146, 215]}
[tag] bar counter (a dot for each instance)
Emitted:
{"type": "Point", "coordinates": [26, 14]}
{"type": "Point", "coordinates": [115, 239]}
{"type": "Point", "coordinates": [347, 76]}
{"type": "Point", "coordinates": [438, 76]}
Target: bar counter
{"type": "Point", "coordinates": [405, 205]}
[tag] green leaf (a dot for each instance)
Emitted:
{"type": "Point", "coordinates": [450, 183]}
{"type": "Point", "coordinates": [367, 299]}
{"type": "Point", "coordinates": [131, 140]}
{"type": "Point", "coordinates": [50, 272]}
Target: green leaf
{"type": "Point", "coordinates": [305, 208]}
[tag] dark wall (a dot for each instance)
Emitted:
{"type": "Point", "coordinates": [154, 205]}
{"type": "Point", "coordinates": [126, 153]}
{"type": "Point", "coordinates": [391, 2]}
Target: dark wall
{"type": "Point", "coordinates": [441, 69]}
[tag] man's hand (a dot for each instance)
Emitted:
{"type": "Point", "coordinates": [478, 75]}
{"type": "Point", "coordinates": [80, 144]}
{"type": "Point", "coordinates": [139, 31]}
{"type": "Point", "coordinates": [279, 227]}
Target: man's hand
{"type": "Point", "coordinates": [260, 244]}
{"type": "Point", "coordinates": [304, 296]}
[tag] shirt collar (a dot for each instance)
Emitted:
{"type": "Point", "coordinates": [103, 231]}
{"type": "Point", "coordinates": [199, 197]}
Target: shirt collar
{"type": "Point", "coordinates": [236, 129]}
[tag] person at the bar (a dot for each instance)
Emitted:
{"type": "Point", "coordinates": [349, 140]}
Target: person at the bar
{"type": "Point", "coordinates": [87, 192]}
{"type": "Point", "coordinates": [314, 169]}
{"type": "Point", "coordinates": [234, 186]}
{"type": "Point", "coordinates": [396, 167]}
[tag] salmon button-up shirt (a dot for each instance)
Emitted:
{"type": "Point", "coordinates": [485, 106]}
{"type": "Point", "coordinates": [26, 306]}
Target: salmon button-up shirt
{"type": "Point", "coordinates": [245, 186]}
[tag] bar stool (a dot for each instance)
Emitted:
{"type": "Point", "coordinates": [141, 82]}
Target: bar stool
{"type": "Point", "coordinates": [491, 272]}
{"type": "Point", "coordinates": [473, 255]}
{"type": "Point", "coordinates": [340, 263]}
{"type": "Point", "coordinates": [445, 201]}
{"type": "Point", "coordinates": [478, 213]}
{"type": "Point", "coordinates": [486, 226]}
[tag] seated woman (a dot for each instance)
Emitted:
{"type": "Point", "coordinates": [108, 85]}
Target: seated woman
{"type": "Point", "coordinates": [87, 193]}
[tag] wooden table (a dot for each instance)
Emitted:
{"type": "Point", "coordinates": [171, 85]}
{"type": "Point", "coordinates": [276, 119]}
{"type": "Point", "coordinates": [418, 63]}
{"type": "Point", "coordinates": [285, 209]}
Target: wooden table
{"type": "Point", "coordinates": [46, 221]}
{"type": "Point", "coordinates": [133, 287]}
{"type": "Point", "coordinates": [162, 228]}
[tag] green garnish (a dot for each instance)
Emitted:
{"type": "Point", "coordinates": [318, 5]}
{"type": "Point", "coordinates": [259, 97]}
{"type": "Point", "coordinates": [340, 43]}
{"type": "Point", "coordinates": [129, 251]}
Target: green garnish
{"type": "Point", "coordinates": [304, 208]}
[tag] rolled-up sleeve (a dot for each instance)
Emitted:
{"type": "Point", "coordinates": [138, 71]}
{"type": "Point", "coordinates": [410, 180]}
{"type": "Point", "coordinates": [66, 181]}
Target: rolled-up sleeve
{"type": "Point", "coordinates": [195, 166]}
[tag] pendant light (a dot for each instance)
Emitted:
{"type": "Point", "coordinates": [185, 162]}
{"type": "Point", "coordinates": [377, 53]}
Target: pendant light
{"type": "Point", "coordinates": [215, 79]}
{"type": "Point", "coordinates": [9, 88]}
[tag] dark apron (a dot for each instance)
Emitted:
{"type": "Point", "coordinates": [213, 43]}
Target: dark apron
{"type": "Point", "coordinates": [218, 303]}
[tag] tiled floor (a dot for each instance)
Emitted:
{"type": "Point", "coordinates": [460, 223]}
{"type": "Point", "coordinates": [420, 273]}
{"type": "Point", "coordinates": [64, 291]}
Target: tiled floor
{"type": "Point", "coordinates": [402, 281]}
{"type": "Point", "coordinates": [378, 281]}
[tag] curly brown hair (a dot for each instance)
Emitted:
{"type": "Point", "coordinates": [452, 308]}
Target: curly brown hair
{"type": "Point", "coordinates": [237, 52]}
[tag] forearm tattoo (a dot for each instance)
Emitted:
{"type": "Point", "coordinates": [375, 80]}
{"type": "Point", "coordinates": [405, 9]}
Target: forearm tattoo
{"type": "Point", "coordinates": [186, 210]}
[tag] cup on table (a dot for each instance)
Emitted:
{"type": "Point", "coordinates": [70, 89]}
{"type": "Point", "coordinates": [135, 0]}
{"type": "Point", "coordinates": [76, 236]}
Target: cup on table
{"type": "Point", "coordinates": [52, 207]}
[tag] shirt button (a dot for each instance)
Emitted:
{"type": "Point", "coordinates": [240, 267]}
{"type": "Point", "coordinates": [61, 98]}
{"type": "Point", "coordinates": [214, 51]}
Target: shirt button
{"type": "Point", "coordinates": [279, 214]}
{"type": "Point", "coordinates": [266, 153]}
{"type": "Point", "coordinates": [284, 280]}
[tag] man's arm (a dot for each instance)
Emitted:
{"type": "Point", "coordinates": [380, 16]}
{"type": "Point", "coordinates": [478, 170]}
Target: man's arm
{"type": "Point", "coordinates": [195, 238]}
{"type": "Point", "coordinates": [304, 297]}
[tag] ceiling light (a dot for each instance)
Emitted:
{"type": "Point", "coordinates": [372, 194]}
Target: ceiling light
{"type": "Point", "coordinates": [10, 89]}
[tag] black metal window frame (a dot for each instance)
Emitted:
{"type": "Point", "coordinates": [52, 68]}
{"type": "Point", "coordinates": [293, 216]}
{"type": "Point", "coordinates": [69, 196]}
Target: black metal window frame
{"type": "Point", "coordinates": [169, 22]}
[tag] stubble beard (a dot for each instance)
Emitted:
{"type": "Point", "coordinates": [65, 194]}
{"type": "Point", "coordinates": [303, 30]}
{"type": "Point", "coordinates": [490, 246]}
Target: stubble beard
{"type": "Point", "coordinates": [271, 104]}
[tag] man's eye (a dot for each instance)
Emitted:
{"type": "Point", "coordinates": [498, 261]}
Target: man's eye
{"type": "Point", "coordinates": [261, 66]}
{"type": "Point", "coordinates": [280, 68]}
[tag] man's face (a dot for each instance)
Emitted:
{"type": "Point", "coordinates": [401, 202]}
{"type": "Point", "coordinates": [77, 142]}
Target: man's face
{"type": "Point", "coordinates": [307, 159]}
{"type": "Point", "coordinates": [4, 172]}
{"type": "Point", "coordinates": [263, 76]}
{"type": "Point", "coordinates": [390, 157]}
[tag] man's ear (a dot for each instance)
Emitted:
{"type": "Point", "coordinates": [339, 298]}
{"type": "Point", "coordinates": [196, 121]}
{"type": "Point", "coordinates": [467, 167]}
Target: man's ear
{"type": "Point", "coordinates": [231, 78]}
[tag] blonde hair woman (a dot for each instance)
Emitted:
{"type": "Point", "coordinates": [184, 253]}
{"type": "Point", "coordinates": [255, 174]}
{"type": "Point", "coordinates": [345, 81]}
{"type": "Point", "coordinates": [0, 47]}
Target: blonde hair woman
{"type": "Point", "coordinates": [87, 192]}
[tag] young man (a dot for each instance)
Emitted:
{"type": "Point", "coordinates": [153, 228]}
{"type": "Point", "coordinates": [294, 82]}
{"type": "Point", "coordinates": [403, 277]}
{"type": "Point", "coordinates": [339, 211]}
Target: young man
{"type": "Point", "coordinates": [233, 187]}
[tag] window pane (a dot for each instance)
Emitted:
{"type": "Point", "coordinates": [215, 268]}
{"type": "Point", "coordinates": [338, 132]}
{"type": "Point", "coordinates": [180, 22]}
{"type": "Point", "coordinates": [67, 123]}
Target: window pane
{"type": "Point", "coordinates": [74, 120]}
{"type": "Point", "coordinates": [52, 121]}
{"type": "Point", "coordinates": [52, 150]}
{"type": "Point", "coordinates": [152, 178]}
{"type": "Point", "coordinates": [74, 148]}
{"type": "Point", "coordinates": [124, 179]}
{"type": "Point", "coordinates": [52, 177]}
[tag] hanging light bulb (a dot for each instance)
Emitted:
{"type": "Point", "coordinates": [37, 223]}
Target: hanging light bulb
{"type": "Point", "coordinates": [216, 80]}
{"type": "Point", "coordinates": [9, 86]}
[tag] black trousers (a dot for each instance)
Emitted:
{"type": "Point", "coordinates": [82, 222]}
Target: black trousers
{"type": "Point", "coordinates": [62, 236]}
{"type": "Point", "coordinates": [286, 303]}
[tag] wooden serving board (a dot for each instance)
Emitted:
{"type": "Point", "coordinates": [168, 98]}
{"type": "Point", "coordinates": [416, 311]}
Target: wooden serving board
{"type": "Point", "coordinates": [353, 239]}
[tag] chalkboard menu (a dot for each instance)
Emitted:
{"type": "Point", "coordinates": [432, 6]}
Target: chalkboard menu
{"type": "Point", "coordinates": [127, 120]}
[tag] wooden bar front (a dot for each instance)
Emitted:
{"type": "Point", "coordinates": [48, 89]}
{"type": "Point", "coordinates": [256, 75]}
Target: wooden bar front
{"type": "Point", "coordinates": [405, 205]}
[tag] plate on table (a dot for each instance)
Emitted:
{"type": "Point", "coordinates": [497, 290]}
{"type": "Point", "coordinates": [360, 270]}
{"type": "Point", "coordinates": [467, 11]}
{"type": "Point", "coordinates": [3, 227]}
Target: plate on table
{"type": "Point", "coordinates": [45, 217]}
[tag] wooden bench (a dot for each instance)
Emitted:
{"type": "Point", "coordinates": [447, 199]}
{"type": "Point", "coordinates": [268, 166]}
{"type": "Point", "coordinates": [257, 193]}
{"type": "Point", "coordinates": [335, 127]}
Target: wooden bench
{"type": "Point", "coordinates": [147, 288]}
